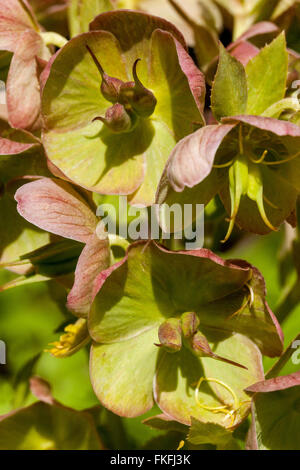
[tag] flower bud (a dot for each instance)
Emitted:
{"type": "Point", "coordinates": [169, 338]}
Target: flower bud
{"type": "Point", "coordinates": [117, 119]}
{"type": "Point", "coordinates": [189, 323]}
{"type": "Point", "coordinates": [200, 346]}
{"type": "Point", "coordinates": [169, 335]}
{"type": "Point", "coordinates": [141, 100]}
{"type": "Point", "coordinates": [110, 86]}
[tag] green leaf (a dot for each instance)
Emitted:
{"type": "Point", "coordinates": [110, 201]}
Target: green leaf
{"type": "Point", "coordinates": [46, 427]}
{"type": "Point", "coordinates": [277, 420]}
{"type": "Point", "coordinates": [210, 433]}
{"type": "Point", "coordinates": [229, 92]}
{"type": "Point", "coordinates": [267, 76]}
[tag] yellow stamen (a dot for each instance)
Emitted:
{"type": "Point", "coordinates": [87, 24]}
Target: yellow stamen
{"type": "Point", "coordinates": [241, 146]}
{"type": "Point", "coordinates": [249, 302]}
{"type": "Point", "coordinates": [224, 165]}
{"type": "Point", "coordinates": [251, 294]}
{"type": "Point", "coordinates": [76, 336]}
{"type": "Point", "coordinates": [270, 203]}
{"type": "Point", "coordinates": [181, 445]}
{"type": "Point", "coordinates": [261, 209]}
{"type": "Point", "coordinates": [216, 409]}
{"type": "Point", "coordinates": [261, 159]}
{"type": "Point", "coordinates": [279, 162]}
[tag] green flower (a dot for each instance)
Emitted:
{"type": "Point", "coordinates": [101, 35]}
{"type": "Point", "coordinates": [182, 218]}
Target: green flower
{"type": "Point", "coordinates": [251, 159]}
{"type": "Point", "coordinates": [164, 322]}
{"type": "Point", "coordinates": [117, 100]}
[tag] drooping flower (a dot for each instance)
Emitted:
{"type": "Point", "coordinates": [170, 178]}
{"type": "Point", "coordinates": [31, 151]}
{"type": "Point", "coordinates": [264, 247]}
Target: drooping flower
{"type": "Point", "coordinates": [251, 159]}
{"type": "Point", "coordinates": [116, 101]}
{"type": "Point", "coordinates": [183, 319]}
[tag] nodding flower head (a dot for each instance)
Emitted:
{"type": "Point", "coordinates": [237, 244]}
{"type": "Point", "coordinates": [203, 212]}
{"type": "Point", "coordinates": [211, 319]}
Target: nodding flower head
{"type": "Point", "coordinates": [131, 99]}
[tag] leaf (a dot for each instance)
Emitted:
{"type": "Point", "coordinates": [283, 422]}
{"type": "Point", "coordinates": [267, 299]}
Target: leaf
{"type": "Point", "coordinates": [229, 92]}
{"type": "Point", "coordinates": [276, 418]}
{"type": "Point", "coordinates": [165, 423]}
{"type": "Point", "coordinates": [48, 427]}
{"type": "Point", "coordinates": [122, 374]}
{"type": "Point", "coordinates": [267, 83]}
{"type": "Point", "coordinates": [210, 433]}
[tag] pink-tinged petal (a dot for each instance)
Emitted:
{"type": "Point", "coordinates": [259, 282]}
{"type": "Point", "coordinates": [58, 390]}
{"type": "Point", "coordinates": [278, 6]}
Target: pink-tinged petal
{"type": "Point", "coordinates": [244, 51]}
{"type": "Point", "coordinates": [101, 278]}
{"type": "Point", "coordinates": [195, 77]}
{"type": "Point", "coordinates": [251, 442]}
{"type": "Point", "coordinates": [281, 128]}
{"type": "Point", "coordinates": [15, 18]}
{"type": "Point", "coordinates": [41, 390]}
{"type": "Point", "coordinates": [94, 259]}
{"type": "Point", "coordinates": [259, 29]}
{"type": "Point", "coordinates": [193, 157]}
{"type": "Point", "coordinates": [23, 90]}
{"type": "Point", "coordinates": [131, 27]}
{"type": "Point", "coordinates": [278, 383]}
{"type": "Point", "coordinates": [56, 207]}
{"type": "Point", "coordinates": [46, 72]}
{"type": "Point", "coordinates": [10, 147]}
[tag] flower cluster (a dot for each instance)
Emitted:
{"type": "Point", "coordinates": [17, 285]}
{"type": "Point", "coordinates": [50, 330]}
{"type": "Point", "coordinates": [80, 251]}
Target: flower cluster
{"type": "Point", "coordinates": [139, 99]}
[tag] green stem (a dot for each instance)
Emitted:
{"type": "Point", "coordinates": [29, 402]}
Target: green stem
{"type": "Point", "coordinates": [55, 39]}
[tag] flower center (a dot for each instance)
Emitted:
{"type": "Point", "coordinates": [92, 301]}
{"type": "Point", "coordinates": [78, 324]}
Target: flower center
{"type": "Point", "coordinates": [246, 180]}
{"type": "Point", "coordinates": [131, 100]}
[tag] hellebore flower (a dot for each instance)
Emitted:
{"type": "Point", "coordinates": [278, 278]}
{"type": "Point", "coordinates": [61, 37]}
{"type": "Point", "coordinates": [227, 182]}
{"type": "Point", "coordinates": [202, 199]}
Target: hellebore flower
{"type": "Point", "coordinates": [21, 34]}
{"type": "Point", "coordinates": [55, 206]}
{"type": "Point", "coordinates": [184, 327]}
{"type": "Point", "coordinates": [276, 408]}
{"type": "Point", "coordinates": [251, 159]}
{"type": "Point", "coordinates": [116, 101]}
